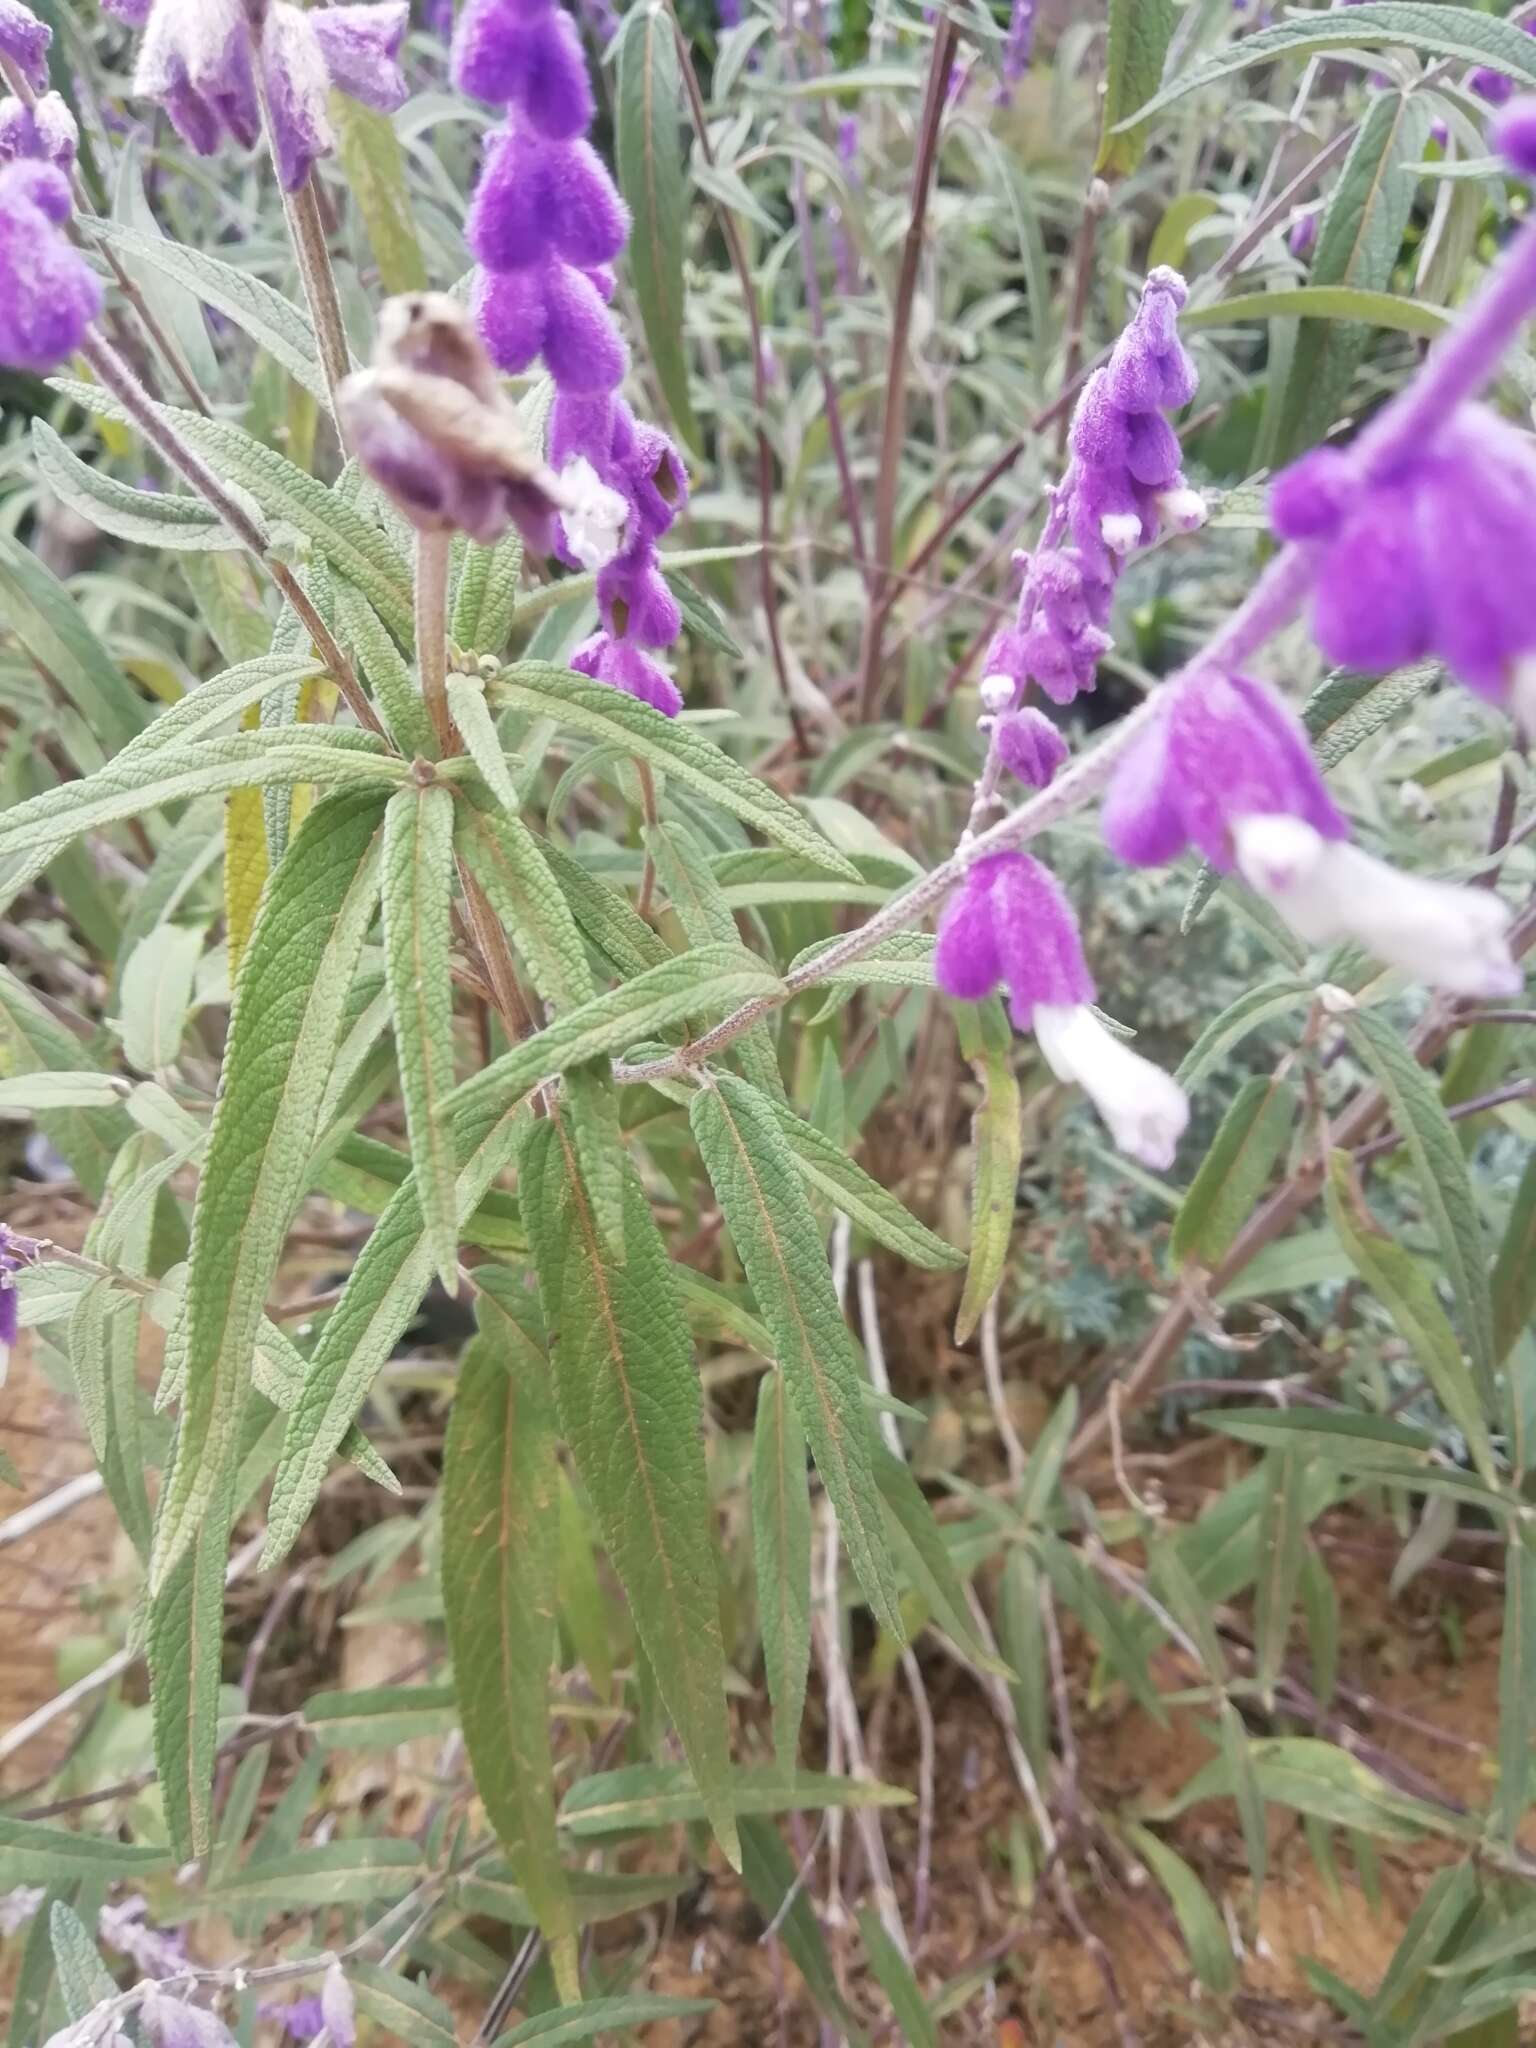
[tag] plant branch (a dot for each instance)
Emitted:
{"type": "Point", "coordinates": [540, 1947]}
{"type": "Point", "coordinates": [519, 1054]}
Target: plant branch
{"type": "Point", "coordinates": [894, 428]}
{"type": "Point", "coordinates": [310, 247]}
{"type": "Point", "coordinates": [158, 430]}
{"type": "Point", "coordinates": [431, 614]}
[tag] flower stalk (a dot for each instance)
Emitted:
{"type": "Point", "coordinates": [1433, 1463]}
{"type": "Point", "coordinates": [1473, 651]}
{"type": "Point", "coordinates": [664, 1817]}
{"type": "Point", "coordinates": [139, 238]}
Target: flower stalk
{"type": "Point", "coordinates": [432, 556]}
{"type": "Point", "coordinates": [311, 248]}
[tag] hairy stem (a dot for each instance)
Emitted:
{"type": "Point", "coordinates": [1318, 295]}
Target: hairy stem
{"type": "Point", "coordinates": [157, 429]}
{"type": "Point", "coordinates": [307, 230]}
{"type": "Point", "coordinates": [893, 436]}
{"type": "Point", "coordinates": [432, 557]}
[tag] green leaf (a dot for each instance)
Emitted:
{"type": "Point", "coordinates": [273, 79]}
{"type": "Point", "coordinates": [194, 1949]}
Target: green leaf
{"type": "Point", "coordinates": [773, 1878]}
{"type": "Point", "coordinates": [382, 1717]}
{"type": "Point", "coordinates": [1322, 302]}
{"type": "Point", "coordinates": [699, 983]}
{"type": "Point", "coordinates": [418, 888]}
{"type": "Point", "coordinates": [28, 1093]}
{"type": "Point", "coordinates": [1514, 1270]}
{"type": "Point", "coordinates": [157, 519]}
{"type": "Point", "coordinates": [1319, 1778]}
{"type": "Point", "coordinates": [1444, 1186]}
{"type": "Point", "coordinates": [777, 1240]}
{"type": "Point", "coordinates": [645, 1796]}
{"type": "Point", "coordinates": [603, 713]}
{"type": "Point", "coordinates": [284, 1028]}
{"type": "Point", "coordinates": [781, 1553]}
{"type": "Point", "coordinates": [351, 543]}
{"type": "Point", "coordinates": [499, 1551]}
{"type": "Point", "coordinates": [218, 702]}
{"type": "Point", "coordinates": [400, 2005]}
{"type": "Point", "coordinates": [1139, 35]}
{"type": "Point", "coordinates": [600, 2016]}
{"type": "Point", "coordinates": [156, 994]}
{"type": "Point", "coordinates": [917, 1543]}
{"type": "Point", "coordinates": [329, 756]}
{"type": "Point", "coordinates": [607, 918]}
{"type": "Point", "coordinates": [893, 1973]}
{"type": "Point", "coordinates": [389, 676]}
{"type": "Point", "coordinates": [1367, 1444]}
{"type": "Point", "coordinates": [905, 960]}
{"type": "Point", "coordinates": [1403, 1287]}
{"type": "Point", "coordinates": [1200, 1923]}
{"type": "Point", "coordinates": [324, 1874]}
{"type": "Point", "coordinates": [42, 615]}
{"type": "Point", "coordinates": [466, 700]}
{"type": "Point", "coordinates": [1282, 1536]}
{"type": "Point", "coordinates": [997, 1135]}
{"type": "Point", "coordinates": [631, 1416]}
{"type": "Point", "coordinates": [382, 1294]}
{"type": "Point", "coordinates": [274, 322]}
{"type": "Point", "coordinates": [1227, 1030]}
{"type": "Point", "coordinates": [861, 1198]}
{"type": "Point", "coordinates": [373, 164]}
{"type": "Point", "coordinates": [1254, 1134]}
{"type": "Point", "coordinates": [1357, 246]}
{"type": "Point", "coordinates": [696, 896]}
{"type": "Point", "coordinates": [84, 1978]}
{"type": "Point", "coordinates": [32, 1041]}
{"type": "Point", "coordinates": [1517, 1688]}
{"type": "Point", "coordinates": [32, 1853]}
{"type": "Point", "coordinates": [650, 167]}
{"type": "Point", "coordinates": [1460, 33]}
{"type": "Point", "coordinates": [700, 619]}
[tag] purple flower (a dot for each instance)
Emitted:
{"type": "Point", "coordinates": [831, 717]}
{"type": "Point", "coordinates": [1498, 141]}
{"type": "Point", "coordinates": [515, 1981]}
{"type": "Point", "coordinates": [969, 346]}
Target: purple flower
{"type": "Point", "coordinates": [728, 14]}
{"type": "Point", "coordinates": [301, 2018]}
{"type": "Point", "coordinates": [152, 1953]}
{"type": "Point", "coordinates": [1302, 238]}
{"type": "Point", "coordinates": [1432, 558]}
{"type": "Point", "coordinates": [1011, 925]}
{"type": "Point", "coordinates": [1019, 43]}
{"type": "Point", "coordinates": [45, 130]}
{"type": "Point", "coordinates": [25, 39]}
{"type": "Point", "coordinates": [49, 294]}
{"type": "Point", "coordinates": [621, 663]}
{"type": "Point", "coordinates": [1029, 746]}
{"type": "Point", "coordinates": [1123, 484]}
{"type": "Point", "coordinates": [527, 54]}
{"type": "Point", "coordinates": [1224, 766]}
{"type": "Point", "coordinates": [199, 62]}
{"type": "Point", "coordinates": [1514, 135]}
{"type": "Point", "coordinates": [1219, 749]}
{"type": "Point", "coordinates": [172, 2023]}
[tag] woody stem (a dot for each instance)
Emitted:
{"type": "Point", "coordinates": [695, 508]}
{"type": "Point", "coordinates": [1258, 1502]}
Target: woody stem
{"type": "Point", "coordinates": [432, 552]}
{"type": "Point", "coordinates": [307, 231]}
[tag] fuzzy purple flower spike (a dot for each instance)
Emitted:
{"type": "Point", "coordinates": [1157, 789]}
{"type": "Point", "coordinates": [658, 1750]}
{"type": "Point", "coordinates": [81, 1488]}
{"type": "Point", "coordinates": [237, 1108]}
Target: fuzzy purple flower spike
{"type": "Point", "coordinates": [46, 130]}
{"type": "Point", "coordinates": [49, 294]}
{"type": "Point", "coordinates": [200, 60]}
{"type": "Point", "coordinates": [1123, 485]}
{"type": "Point", "coordinates": [545, 226]}
{"type": "Point", "coordinates": [1010, 925]}
{"type": "Point", "coordinates": [25, 40]}
{"type": "Point", "coordinates": [1224, 766]}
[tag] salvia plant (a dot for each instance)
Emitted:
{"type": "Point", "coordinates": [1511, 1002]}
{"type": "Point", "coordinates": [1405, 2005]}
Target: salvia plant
{"type": "Point", "coordinates": [657, 666]}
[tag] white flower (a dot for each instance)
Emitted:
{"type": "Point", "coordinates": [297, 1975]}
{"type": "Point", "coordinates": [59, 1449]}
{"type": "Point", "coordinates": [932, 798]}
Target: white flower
{"type": "Point", "coordinates": [188, 40]}
{"type": "Point", "coordinates": [1455, 939]}
{"type": "Point", "coordinates": [1146, 1110]}
{"type": "Point", "coordinates": [1121, 531]}
{"type": "Point", "coordinates": [18, 1905]}
{"type": "Point", "coordinates": [593, 517]}
{"type": "Point", "coordinates": [997, 692]}
{"type": "Point", "coordinates": [1183, 508]}
{"type": "Point", "coordinates": [337, 2008]}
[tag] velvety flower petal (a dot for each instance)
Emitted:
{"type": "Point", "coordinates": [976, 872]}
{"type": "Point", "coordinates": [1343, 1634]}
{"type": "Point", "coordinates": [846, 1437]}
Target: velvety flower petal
{"type": "Point", "coordinates": [582, 423]}
{"type": "Point", "coordinates": [10, 1304]}
{"type": "Point", "coordinates": [1309, 500]}
{"type": "Point", "coordinates": [1477, 491]}
{"type": "Point", "coordinates": [195, 59]}
{"type": "Point", "coordinates": [361, 46]}
{"type": "Point", "coordinates": [25, 39]}
{"type": "Point", "coordinates": [1037, 937]}
{"type": "Point", "coordinates": [1493, 86]}
{"type": "Point", "coordinates": [966, 963]}
{"type": "Point", "coordinates": [555, 92]}
{"type": "Point", "coordinates": [583, 349]}
{"type": "Point", "coordinates": [588, 220]}
{"type": "Point", "coordinates": [510, 223]}
{"type": "Point", "coordinates": [133, 13]}
{"type": "Point", "coordinates": [657, 480]}
{"type": "Point", "coordinates": [621, 663]}
{"type": "Point", "coordinates": [489, 59]}
{"type": "Point", "coordinates": [1141, 819]}
{"type": "Point", "coordinates": [297, 84]}
{"type": "Point", "coordinates": [510, 311]}
{"type": "Point", "coordinates": [1152, 454]}
{"type": "Point", "coordinates": [1100, 429]}
{"type": "Point", "coordinates": [634, 600]}
{"type": "Point", "coordinates": [1029, 746]}
{"type": "Point", "coordinates": [1370, 605]}
{"type": "Point", "coordinates": [49, 294]}
{"type": "Point", "coordinates": [1145, 1109]}
{"type": "Point", "coordinates": [55, 132]}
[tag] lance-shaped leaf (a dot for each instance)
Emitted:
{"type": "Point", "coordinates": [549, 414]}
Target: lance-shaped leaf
{"type": "Point", "coordinates": [157, 519]}
{"type": "Point", "coordinates": [700, 983]}
{"type": "Point", "coordinates": [283, 1034]}
{"type": "Point", "coordinates": [781, 1552]}
{"type": "Point", "coordinates": [83, 1977]}
{"type": "Point", "coordinates": [1514, 1270]}
{"type": "Point", "coordinates": [861, 1198]}
{"type": "Point", "coordinates": [31, 1852]}
{"type": "Point", "coordinates": [1440, 1168]}
{"type": "Point", "coordinates": [1139, 35]}
{"type": "Point", "coordinates": [418, 887]}
{"type": "Point", "coordinates": [374, 166]}
{"type": "Point", "coordinates": [33, 1041]}
{"type": "Point", "coordinates": [389, 676]}
{"type": "Point", "coordinates": [500, 1531]}
{"type": "Point", "coordinates": [774, 1231]}
{"type": "Point", "coordinates": [641, 1796]}
{"type": "Point", "coordinates": [650, 166]}
{"type": "Point", "coordinates": [329, 756]}
{"type": "Point", "coordinates": [603, 713]}
{"type": "Point", "coordinates": [50, 625]}
{"type": "Point", "coordinates": [917, 1542]}
{"type": "Point", "coordinates": [1233, 1174]}
{"type": "Point", "coordinates": [631, 1414]}
{"type": "Point", "coordinates": [382, 1294]}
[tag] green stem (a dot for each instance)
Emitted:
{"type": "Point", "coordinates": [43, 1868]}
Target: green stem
{"type": "Point", "coordinates": [432, 555]}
